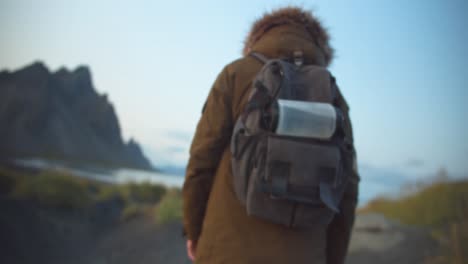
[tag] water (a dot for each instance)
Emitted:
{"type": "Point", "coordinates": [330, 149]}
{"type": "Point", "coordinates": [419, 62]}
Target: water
{"type": "Point", "coordinates": [116, 176]}
{"type": "Point", "coordinates": [375, 182]}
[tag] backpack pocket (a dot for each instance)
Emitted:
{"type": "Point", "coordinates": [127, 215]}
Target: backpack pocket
{"type": "Point", "coordinates": [243, 152]}
{"type": "Point", "coordinates": [297, 182]}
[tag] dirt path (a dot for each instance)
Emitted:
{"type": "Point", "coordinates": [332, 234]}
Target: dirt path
{"type": "Point", "coordinates": [33, 234]}
{"type": "Point", "coordinates": [30, 234]}
{"type": "Point", "coordinates": [141, 241]}
{"type": "Point", "coordinates": [376, 239]}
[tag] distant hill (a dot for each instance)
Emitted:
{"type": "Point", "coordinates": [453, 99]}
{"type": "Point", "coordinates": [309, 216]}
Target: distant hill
{"type": "Point", "coordinates": [60, 115]}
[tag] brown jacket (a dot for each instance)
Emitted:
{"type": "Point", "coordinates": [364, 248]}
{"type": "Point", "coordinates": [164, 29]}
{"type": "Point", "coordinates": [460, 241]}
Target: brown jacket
{"type": "Point", "coordinates": [212, 214]}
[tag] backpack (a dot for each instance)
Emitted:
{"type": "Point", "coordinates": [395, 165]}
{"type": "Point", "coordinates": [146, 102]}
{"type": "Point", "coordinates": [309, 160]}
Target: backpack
{"type": "Point", "coordinates": [295, 181]}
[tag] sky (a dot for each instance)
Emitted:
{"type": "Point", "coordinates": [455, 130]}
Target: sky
{"type": "Point", "coordinates": [402, 65]}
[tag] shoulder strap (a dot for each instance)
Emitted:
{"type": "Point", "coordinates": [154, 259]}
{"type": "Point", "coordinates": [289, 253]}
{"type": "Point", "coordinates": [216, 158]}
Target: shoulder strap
{"type": "Point", "coordinates": [260, 57]}
{"type": "Point", "coordinates": [297, 58]}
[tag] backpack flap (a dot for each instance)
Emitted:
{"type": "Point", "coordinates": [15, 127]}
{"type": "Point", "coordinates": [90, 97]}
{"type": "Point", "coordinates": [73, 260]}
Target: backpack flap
{"type": "Point", "coordinates": [303, 175]}
{"type": "Point", "coordinates": [300, 165]}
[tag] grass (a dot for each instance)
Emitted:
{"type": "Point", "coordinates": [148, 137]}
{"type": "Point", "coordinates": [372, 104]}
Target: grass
{"type": "Point", "coordinates": [8, 180]}
{"type": "Point", "coordinates": [433, 206]}
{"type": "Point", "coordinates": [138, 199]}
{"type": "Point", "coordinates": [133, 193]}
{"type": "Point", "coordinates": [60, 189]}
{"type": "Point", "coordinates": [170, 207]}
{"type": "Point", "coordinates": [441, 207]}
{"type": "Point", "coordinates": [134, 210]}
{"type": "Point", "coordinates": [55, 189]}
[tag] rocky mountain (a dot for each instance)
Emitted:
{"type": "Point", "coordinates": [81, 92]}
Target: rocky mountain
{"type": "Point", "coordinates": [60, 115]}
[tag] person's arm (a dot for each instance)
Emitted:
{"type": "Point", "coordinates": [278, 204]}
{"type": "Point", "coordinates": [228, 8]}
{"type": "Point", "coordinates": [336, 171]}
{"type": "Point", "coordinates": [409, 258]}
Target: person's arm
{"type": "Point", "coordinates": [339, 230]}
{"type": "Point", "coordinates": [211, 137]}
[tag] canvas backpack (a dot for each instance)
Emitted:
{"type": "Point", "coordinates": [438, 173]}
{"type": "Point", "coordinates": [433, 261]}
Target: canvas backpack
{"type": "Point", "coordinates": [289, 180]}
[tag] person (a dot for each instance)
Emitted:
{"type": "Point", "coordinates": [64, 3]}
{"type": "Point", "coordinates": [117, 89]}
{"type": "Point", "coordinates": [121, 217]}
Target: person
{"type": "Point", "coordinates": [217, 227]}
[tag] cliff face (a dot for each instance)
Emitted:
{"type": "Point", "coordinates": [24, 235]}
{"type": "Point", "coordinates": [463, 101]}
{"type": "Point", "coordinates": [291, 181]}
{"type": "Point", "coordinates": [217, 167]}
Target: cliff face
{"type": "Point", "coordinates": [60, 115]}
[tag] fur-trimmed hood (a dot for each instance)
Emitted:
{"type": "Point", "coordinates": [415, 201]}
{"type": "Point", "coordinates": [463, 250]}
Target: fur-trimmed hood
{"type": "Point", "coordinates": [291, 16]}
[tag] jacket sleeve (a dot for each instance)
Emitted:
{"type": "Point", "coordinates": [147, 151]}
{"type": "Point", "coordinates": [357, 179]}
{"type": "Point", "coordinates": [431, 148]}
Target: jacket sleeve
{"type": "Point", "coordinates": [340, 229]}
{"type": "Point", "coordinates": [211, 137]}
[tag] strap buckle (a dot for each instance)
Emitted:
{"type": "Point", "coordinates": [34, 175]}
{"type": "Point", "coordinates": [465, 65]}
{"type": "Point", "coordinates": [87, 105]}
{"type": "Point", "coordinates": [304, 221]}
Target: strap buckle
{"type": "Point", "coordinates": [298, 57]}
